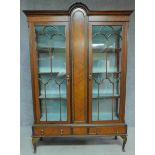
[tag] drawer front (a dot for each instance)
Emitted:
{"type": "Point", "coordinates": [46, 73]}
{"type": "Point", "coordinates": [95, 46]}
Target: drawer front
{"type": "Point", "coordinates": [79, 130]}
{"type": "Point", "coordinates": [107, 130]}
{"type": "Point", "coordinates": [51, 131]}
{"type": "Point", "coordinates": [93, 130]}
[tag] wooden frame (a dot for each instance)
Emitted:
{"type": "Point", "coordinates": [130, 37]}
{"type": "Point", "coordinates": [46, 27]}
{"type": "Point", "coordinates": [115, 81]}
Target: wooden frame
{"type": "Point", "coordinates": [78, 21]}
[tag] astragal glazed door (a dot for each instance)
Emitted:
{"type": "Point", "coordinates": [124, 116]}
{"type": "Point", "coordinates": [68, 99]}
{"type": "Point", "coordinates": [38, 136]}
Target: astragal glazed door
{"type": "Point", "coordinates": [53, 72]}
{"type": "Point", "coordinates": [105, 71]}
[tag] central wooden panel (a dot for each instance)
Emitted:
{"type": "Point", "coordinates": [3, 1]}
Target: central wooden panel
{"type": "Point", "coordinates": [79, 65]}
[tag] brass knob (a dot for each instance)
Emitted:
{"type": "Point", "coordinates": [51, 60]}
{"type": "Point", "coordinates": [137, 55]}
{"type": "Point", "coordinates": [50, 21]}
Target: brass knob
{"type": "Point", "coordinates": [42, 131]}
{"type": "Point", "coordinates": [68, 77]}
{"type": "Point", "coordinates": [61, 131]}
{"type": "Point", "coordinates": [93, 132]}
{"type": "Point", "coordinates": [90, 76]}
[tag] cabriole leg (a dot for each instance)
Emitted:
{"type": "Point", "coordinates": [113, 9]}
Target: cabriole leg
{"type": "Point", "coordinates": [124, 137]}
{"type": "Point", "coordinates": [34, 143]}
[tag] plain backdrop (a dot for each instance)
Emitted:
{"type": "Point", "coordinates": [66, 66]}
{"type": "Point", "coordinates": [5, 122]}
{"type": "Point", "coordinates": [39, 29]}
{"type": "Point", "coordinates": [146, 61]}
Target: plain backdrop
{"type": "Point", "coordinates": [26, 107]}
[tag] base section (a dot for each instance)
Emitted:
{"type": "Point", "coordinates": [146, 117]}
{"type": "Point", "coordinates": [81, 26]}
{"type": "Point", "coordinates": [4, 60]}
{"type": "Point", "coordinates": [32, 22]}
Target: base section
{"type": "Point", "coordinates": [66, 130]}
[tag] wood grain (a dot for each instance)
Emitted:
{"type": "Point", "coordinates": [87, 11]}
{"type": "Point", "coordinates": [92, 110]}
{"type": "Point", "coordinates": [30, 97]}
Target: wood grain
{"type": "Point", "coordinates": [79, 62]}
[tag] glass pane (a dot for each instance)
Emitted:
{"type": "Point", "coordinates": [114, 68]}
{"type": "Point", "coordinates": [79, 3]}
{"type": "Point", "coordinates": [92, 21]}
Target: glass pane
{"type": "Point", "coordinates": [103, 86]}
{"type": "Point", "coordinates": [52, 60]}
{"type": "Point", "coordinates": [51, 48]}
{"type": "Point", "coordinates": [49, 36]}
{"type": "Point", "coordinates": [51, 87]}
{"type": "Point", "coordinates": [102, 109]}
{"type": "Point", "coordinates": [53, 110]}
{"type": "Point", "coordinates": [106, 70]}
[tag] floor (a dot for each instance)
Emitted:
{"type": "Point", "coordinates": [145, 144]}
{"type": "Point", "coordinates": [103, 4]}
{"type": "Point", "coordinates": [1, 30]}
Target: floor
{"type": "Point", "coordinates": [77, 146]}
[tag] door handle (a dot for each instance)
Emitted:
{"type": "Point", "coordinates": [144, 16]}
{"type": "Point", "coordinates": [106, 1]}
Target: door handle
{"type": "Point", "coordinates": [68, 77]}
{"type": "Point", "coordinates": [90, 76]}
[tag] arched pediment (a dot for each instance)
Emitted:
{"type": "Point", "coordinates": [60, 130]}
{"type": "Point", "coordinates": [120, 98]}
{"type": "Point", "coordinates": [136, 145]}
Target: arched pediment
{"type": "Point", "coordinates": [78, 5]}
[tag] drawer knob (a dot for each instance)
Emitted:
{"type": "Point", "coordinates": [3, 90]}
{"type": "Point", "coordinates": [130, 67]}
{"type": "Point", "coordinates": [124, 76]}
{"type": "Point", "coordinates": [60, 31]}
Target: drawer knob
{"type": "Point", "coordinates": [93, 133]}
{"type": "Point", "coordinates": [42, 131]}
{"type": "Point", "coordinates": [61, 131]}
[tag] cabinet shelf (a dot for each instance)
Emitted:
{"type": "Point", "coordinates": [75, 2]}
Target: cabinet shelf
{"type": "Point", "coordinates": [46, 50]}
{"type": "Point", "coordinates": [106, 97]}
{"type": "Point", "coordinates": [100, 72]}
{"type": "Point", "coordinates": [102, 96]}
{"type": "Point", "coordinates": [52, 98]}
{"type": "Point", "coordinates": [47, 73]}
{"type": "Point", "coordinates": [106, 50]}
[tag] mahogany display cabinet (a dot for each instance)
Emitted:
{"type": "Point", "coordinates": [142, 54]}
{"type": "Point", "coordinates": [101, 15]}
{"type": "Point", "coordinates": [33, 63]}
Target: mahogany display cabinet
{"type": "Point", "coordinates": [78, 68]}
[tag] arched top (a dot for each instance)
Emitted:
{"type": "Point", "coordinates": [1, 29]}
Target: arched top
{"type": "Point", "coordinates": [75, 6]}
{"type": "Point", "coordinates": [78, 5]}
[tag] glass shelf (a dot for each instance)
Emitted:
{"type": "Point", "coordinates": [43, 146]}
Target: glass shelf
{"type": "Point", "coordinates": [56, 72]}
{"type": "Point", "coordinates": [63, 95]}
{"type": "Point", "coordinates": [95, 96]}
{"type": "Point", "coordinates": [103, 70]}
{"type": "Point", "coordinates": [106, 50]}
{"type": "Point", "coordinates": [99, 71]}
{"type": "Point", "coordinates": [52, 98]}
{"type": "Point", "coordinates": [46, 50]}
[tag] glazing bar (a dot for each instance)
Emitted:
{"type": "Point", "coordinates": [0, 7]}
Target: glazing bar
{"type": "Point", "coordinates": [113, 102]}
{"type": "Point", "coordinates": [50, 55]}
{"type": "Point", "coordinates": [106, 65]}
{"type": "Point", "coordinates": [60, 99]}
{"type": "Point", "coordinates": [98, 101]}
{"type": "Point", "coordinates": [45, 101]}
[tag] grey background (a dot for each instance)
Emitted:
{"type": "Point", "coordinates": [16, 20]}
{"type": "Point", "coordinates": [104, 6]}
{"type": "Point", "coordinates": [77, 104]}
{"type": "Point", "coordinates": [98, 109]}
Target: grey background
{"type": "Point", "coordinates": [26, 108]}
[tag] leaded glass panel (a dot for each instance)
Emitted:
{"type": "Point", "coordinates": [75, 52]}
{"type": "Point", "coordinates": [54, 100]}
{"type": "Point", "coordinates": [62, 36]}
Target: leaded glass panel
{"type": "Point", "coordinates": [106, 71]}
{"type": "Point", "coordinates": [51, 50]}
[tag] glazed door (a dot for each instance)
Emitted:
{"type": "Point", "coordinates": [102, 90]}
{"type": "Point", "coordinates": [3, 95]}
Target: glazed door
{"type": "Point", "coordinates": [53, 75]}
{"type": "Point", "coordinates": [106, 44]}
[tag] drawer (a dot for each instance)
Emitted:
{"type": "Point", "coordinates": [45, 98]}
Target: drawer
{"type": "Point", "coordinates": [107, 130]}
{"type": "Point", "coordinates": [51, 131]}
{"type": "Point", "coordinates": [79, 131]}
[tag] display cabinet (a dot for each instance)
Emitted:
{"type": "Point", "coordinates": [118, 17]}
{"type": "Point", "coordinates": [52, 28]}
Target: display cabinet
{"type": "Point", "coordinates": [78, 68]}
